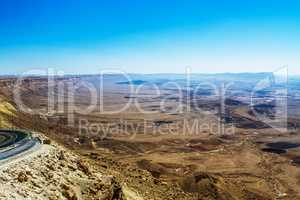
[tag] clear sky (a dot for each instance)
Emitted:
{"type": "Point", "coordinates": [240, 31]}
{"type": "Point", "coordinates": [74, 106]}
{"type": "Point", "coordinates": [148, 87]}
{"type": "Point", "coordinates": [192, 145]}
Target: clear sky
{"type": "Point", "coordinates": [149, 36]}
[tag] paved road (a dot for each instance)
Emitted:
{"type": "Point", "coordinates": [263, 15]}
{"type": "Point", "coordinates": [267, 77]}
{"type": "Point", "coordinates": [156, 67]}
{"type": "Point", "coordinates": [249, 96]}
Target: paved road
{"type": "Point", "coordinates": [16, 143]}
{"type": "Point", "coordinates": [10, 137]}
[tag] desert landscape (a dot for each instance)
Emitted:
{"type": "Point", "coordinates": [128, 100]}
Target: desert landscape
{"type": "Point", "coordinates": [149, 100]}
{"type": "Point", "coordinates": [197, 144]}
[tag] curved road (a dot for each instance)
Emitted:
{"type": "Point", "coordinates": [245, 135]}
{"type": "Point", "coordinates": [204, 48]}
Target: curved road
{"type": "Point", "coordinates": [13, 143]}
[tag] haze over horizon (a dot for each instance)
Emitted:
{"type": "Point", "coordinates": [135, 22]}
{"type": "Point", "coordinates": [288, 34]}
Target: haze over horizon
{"type": "Point", "coordinates": [149, 37]}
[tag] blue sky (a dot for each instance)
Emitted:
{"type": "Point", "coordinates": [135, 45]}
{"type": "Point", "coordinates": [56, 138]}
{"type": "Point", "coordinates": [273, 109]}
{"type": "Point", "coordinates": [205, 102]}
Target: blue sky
{"type": "Point", "coordinates": [149, 36]}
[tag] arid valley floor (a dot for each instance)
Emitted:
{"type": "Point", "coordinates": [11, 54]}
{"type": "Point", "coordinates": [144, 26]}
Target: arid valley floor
{"type": "Point", "coordinates": [163, 136]}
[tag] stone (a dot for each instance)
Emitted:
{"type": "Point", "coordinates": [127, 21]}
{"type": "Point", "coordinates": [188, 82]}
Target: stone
{"type": "Point", "coordinates": [22, 177]}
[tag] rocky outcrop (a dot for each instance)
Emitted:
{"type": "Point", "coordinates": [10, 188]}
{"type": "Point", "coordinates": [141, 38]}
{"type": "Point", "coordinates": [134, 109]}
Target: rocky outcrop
{"type": "Point", "coordinates": [55, 173]}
